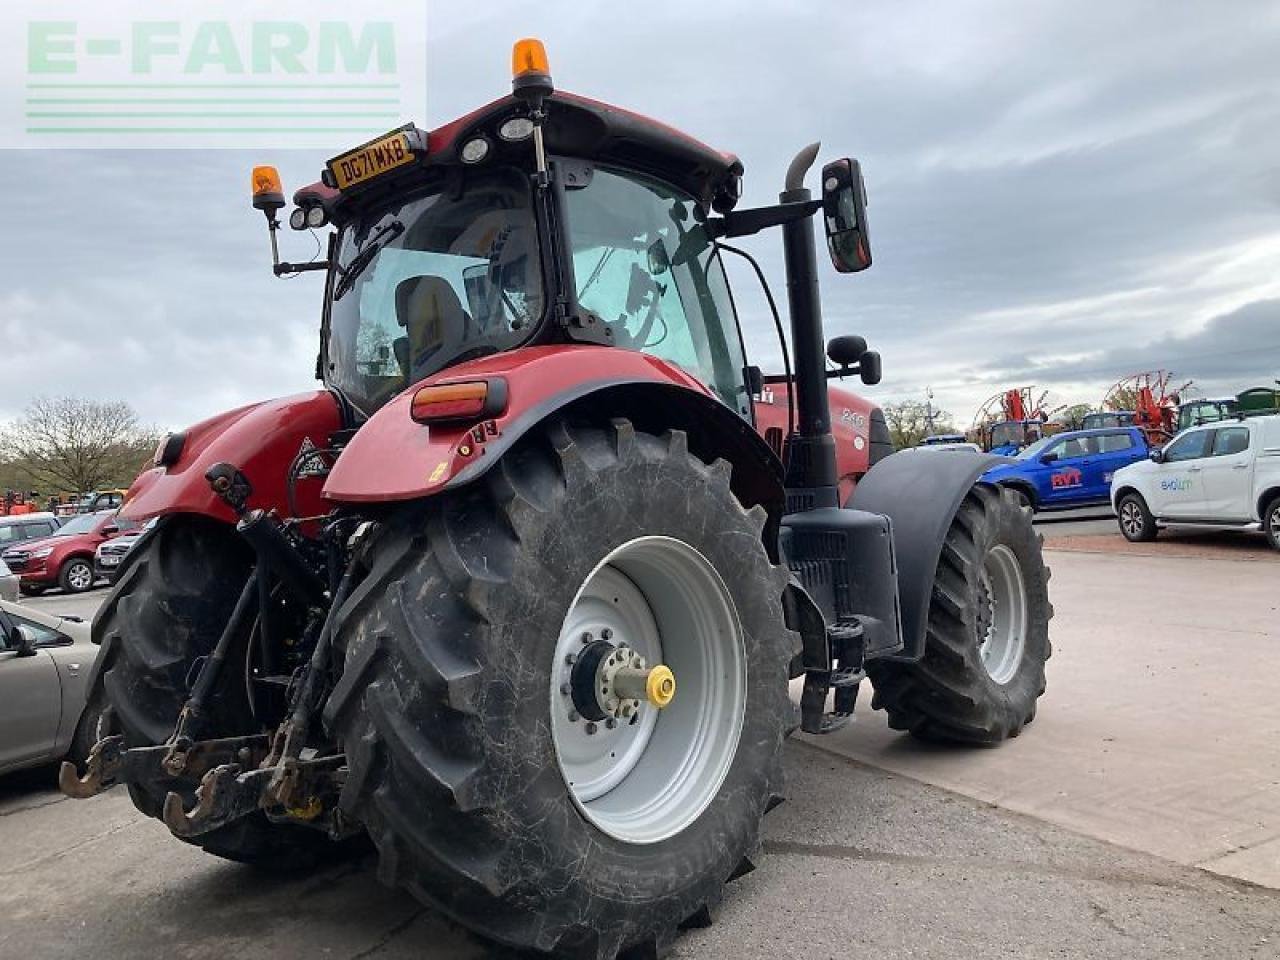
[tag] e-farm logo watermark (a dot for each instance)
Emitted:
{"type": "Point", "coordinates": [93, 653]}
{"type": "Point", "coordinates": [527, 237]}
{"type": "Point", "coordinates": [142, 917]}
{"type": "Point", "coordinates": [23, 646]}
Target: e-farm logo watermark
{"type": "Point", "coordinates": [217, 73]}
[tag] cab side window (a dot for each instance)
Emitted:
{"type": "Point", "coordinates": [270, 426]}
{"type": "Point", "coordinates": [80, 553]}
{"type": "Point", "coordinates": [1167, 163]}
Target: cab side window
{"type": "Point", "coordinates": [1189, 446]}
{"type": "Point", "coordinates": [1230, 440]}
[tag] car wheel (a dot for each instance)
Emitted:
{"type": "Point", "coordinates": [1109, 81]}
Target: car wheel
{"type": "Point", "coordinates": [76, 576]}
{"type": "Point", "coordinates": [1136, 522]}
{"type": "Point", "coordinates": [1271, 522]}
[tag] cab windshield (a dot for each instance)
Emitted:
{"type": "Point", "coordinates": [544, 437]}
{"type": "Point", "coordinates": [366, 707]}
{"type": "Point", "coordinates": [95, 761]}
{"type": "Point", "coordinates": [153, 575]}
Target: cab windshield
{"type": "Point", "coordinates": [1003, 434]}
{"type": "Point", "coordinates": [440, 279]}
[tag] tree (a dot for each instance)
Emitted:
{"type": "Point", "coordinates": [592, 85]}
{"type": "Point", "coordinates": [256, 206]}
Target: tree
{"type": "Point", "coordinates": [908, 422]}
{"type": "Point", "coordinates": [1074, 415]}
{"type": "Point", "coordinates": [75, 445]}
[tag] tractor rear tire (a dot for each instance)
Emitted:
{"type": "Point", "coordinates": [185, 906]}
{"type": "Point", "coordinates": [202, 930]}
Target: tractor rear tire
{"type": "Point", "coordinates": [168, 607]}
{"type": "Point", "coordinates": [453, 717]}
{"type": "Point", "coordinates": [987, 637]}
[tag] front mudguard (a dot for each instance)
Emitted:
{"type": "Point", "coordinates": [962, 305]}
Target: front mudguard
{"type": "Point", "coordinates": [919, 490]}
{"type": "Point", "coordinates": [261, 441]}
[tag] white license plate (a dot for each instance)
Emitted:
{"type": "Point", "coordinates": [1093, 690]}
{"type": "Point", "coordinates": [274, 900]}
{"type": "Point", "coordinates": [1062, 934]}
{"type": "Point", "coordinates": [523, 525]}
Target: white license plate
{"type": "Point", "coordinates": [108, 561]}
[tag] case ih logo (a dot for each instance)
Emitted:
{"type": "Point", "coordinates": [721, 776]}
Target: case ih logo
{"type": "Point", "coordinates": [218, 73]}
{"type": "Point", "coordinates": [1066, 479]}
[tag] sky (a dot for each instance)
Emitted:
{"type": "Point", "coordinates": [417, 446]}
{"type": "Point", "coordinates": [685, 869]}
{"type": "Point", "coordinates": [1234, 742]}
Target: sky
{"type": "Point", "coordinates": [1060, 194]}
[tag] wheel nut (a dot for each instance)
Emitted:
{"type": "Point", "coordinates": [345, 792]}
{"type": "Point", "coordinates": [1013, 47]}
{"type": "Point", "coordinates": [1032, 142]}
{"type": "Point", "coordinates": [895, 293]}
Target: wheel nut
{"type": "Point", "coordinates": [587, 636]}
{"type": "Point", "coordinates": [606, 634]}
{"type": "Point", "coordinates": [611, 723]}
{"type": "Point", "coordinates": [573, 716]}
{"type": "Point", "coordinates": [566, 689]}
{"type": "Point", "coordinates": [591, 728]}
{"type": "Point", "coordinates": [571, 658]}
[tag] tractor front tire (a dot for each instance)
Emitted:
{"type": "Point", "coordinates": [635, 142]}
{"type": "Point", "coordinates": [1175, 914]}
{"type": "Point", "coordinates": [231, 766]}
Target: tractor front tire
{"type": "Point", "coordinates": [171, 600]}
{"type": "Point", "coordinates": [987, 637]}
{"type": "Point", "coordinates": [486, 793]}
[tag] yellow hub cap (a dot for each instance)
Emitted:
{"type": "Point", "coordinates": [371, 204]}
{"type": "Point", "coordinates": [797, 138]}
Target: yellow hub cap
{"type": "Point", "coordinates": [660, 688]}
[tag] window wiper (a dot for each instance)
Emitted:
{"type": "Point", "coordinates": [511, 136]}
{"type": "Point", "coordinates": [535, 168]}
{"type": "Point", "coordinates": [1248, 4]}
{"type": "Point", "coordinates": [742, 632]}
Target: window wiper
{"type": "Point", "coordinates": [365, 257]}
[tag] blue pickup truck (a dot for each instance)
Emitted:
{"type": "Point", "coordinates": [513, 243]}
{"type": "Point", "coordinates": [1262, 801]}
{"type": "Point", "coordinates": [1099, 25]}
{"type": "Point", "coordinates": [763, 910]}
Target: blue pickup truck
{"type": "Point", "coordinates": [1070, 469]}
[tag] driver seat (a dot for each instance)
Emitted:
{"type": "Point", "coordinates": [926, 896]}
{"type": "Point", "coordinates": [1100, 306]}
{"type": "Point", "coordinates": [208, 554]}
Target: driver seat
{"type": "Point", "coordinates": [432, 315]}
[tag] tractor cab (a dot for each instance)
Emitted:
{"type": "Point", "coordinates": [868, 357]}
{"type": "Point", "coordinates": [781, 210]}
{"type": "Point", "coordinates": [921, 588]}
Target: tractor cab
{"type": "Point", "coordinates": [542, 218]}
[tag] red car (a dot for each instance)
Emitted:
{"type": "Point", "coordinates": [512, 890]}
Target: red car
{"type": "Point", "coordinates": [65, 559]}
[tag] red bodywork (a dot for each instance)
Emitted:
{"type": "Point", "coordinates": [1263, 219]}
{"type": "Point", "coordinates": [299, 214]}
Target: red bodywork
{"type": "Point", "coordinates": [850, 423]}
{"type": "Point", "coordinates": [261, 440]}
{"type": "Point", "coordinates": [394, 458]}
{"type": "Point", "coordinates": [44, 571]}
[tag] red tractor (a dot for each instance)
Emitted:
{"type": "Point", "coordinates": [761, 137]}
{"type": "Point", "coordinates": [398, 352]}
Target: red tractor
{"type": "Point", "coordinates": [520, 592]}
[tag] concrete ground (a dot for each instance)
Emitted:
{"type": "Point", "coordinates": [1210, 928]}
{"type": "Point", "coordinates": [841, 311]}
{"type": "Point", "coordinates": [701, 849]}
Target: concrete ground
{"type": "Point", "coordinates": [1153, 755]}
{"type": "Point", "coordinates": [859, 862]}
{"type": "Point", "coordinates": [1159, 727]}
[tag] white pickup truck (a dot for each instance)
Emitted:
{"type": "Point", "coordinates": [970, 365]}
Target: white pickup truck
{"type": "Point", "coordinates": [1224, 474]}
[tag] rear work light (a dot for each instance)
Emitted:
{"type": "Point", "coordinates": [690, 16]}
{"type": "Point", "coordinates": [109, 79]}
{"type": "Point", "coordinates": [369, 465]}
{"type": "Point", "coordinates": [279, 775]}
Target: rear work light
{"type": "Point", "coordinates": [469, 400]}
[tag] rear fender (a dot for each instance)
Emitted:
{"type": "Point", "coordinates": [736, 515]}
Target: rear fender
{"type": "Point", "coordinates": [393, 458]}
{"type": "Point", "coordinates": [920, 492]}
{"type": "Point", "coordinates": [261, 440]}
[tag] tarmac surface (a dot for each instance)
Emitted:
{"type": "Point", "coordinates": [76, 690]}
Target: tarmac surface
{"type": "Point", "coordinates": [1138, 816]}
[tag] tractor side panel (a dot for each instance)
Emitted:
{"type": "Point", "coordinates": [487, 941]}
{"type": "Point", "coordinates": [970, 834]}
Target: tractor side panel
{"type": "Point", "coordinates": [261, 440]}
{"type": "Point", "coordinates": [920, 491]}
{"type": "Point", "coordinates": [392, 457]}
{"type": "Point", "coordinates": [853, 423]}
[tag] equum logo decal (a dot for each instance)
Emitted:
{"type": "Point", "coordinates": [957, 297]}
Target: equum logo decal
{"type": "Point", "coordinates": [1176, 484]}
{"type": "Point", "coordinates": [217, 73]}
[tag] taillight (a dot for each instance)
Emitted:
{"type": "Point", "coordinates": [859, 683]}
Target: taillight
{"type": "Point", "coordinates": [469, 400]}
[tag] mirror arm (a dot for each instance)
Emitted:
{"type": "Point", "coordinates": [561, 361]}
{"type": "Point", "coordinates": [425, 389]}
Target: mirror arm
{"type": "Point", "coordinates": [282, 269]}
{"type": "Point", "coordinates": [744, 223]}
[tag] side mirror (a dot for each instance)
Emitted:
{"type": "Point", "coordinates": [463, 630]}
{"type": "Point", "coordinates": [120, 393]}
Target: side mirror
{"type": "Point", "coordinates": [1049, 458]}
{"type": "Point", "coordinates": [754, 378]}
{"type": "Point", "coordinates": [1156, 454]}
{"type": "Point", "coordinates": [846, 351]}
{"type": "Point", "coordinates": [22, 642]}
{"type": "Point", "coordinates": [869, 368]}
{"type": "Point", "coordinates": [844, 212]}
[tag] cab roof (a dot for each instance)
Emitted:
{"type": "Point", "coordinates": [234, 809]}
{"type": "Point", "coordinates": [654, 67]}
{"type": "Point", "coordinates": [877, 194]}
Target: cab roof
{"type": "Point", "coordinates": [583, 128]}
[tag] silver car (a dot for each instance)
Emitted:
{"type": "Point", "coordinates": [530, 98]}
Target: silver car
{"type": "Point", "coordinates": [8, 584]}
{"type": "Point", "coordinates": [45, 662]}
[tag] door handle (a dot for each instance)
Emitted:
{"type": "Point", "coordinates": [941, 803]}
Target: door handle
{"type": "Point", "coordinates": [1193, 469]}
{"type": "Point", "coordinates": [1239, 466]}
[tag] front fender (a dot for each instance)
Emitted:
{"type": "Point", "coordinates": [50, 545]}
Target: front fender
{"type": "Point", "coordinates": [920, 491]}
{"type": "Point", "coordinates": [394, 458]}
{"type": "Point", "coordinates": [261, 440]}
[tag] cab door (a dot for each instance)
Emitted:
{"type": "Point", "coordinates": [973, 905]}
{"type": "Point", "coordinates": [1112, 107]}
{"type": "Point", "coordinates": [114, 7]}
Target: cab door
{"type": "Point", "coordinates": [1177, 489]}
{"type": "Point", "coordinates": [30, 700]}
{"type": "Point", "coordinates": [1228, 475]}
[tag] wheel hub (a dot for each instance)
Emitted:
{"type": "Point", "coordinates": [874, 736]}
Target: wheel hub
{"type": "Point", "coordinates": [611, 681]}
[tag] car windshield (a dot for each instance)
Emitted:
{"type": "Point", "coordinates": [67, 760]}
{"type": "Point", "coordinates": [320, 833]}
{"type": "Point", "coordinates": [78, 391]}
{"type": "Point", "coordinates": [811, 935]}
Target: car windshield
{"type": "Point", "coordinates": [440, 279]}
{"type": "Point", "coordinates": [77, 525]}
{"type": "Point", "coordinates": [1035, 449]}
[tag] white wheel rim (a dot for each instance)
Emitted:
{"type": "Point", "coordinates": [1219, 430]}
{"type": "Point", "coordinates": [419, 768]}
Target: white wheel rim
{"type": "Point", "coordinates": [645, 782]}
{"type": "Point", "coordinates": [1274, 524]}
{"type": "Point", "coordinates": [1131, 518]}
{"type": "Point", "coordinates": [79, 576]}
{"type": "Point", "coordinates": [1002, 614]}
